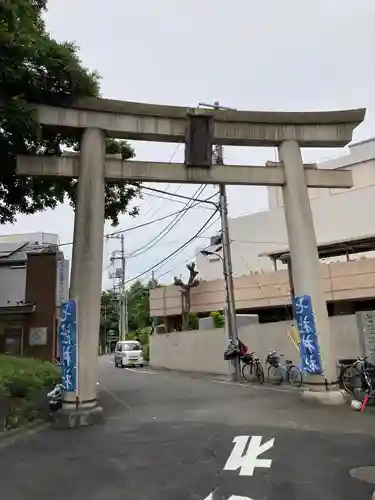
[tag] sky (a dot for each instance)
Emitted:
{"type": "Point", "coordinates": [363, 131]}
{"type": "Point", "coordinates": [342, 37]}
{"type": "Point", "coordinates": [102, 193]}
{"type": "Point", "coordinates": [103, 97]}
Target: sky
{"type": "Point", "coordinates": [288, 55]}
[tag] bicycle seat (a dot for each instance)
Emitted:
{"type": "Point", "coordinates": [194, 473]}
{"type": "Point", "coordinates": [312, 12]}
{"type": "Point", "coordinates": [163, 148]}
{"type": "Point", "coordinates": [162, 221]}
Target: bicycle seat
{"type": "Point", "coordinates": [288, 361]}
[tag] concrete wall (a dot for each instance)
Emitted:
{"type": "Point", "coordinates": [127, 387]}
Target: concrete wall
{"type": "Point", "coordinates": [242, 320]}
{"type": "Point", "coordinates": [202, 350]}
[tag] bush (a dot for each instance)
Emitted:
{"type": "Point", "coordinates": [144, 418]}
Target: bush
{"type": "Point", "coordinates": [218, 319]}
{"type": "Point", "coordinates": [146, 352]}
{"type": "Point", "coordinates": [193, 321]}
{"type": "Point", "coordinates": [24, 382]}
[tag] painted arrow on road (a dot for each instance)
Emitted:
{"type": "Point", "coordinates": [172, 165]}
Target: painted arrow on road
{"type": "Point", "coordinates": [232, 497]}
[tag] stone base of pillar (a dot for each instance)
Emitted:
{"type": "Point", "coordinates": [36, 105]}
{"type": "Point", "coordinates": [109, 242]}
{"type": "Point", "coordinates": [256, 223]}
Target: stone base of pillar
{"type": "Point", "coordinates": [333, 397]}
{"type": "Point", "coordinates": [77, 417]}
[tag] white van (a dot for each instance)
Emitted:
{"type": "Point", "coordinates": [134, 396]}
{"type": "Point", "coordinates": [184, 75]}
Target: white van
{"type": "Point", "coordinates": [128, 353]}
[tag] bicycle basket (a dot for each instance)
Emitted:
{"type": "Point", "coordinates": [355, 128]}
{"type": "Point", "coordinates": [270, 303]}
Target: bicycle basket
{"type": "Point", "coordinates": [247, 358]}
{"type": "Point", "coordinates": [273, 359]}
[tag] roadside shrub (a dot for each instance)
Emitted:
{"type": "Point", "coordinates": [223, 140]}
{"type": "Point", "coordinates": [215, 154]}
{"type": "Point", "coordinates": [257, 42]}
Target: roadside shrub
{"type": "Point", "coordinates": [218, 319]}
{"type": "Point", "coordinates": [24, 382]}
{"type": "Point", "coordinates": [146, 352]}
{"type": "Point", "coordinates": [193, 321]}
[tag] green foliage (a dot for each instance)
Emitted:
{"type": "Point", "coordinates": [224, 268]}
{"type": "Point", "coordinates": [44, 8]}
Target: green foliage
{"type": "Point", "coordinates": [22, 377]}
{"type": "Point", "coordinates": [22, 382]}
{"type": "Point", "coordinates": [138, 306]}
{"type": "Point", "coordinates": [36, 68]}
{"type": "Point", "coordinates": [218, 319]}
{"type": "Point", "coordinates": [139, 319]}
{"type": "Point", "coordinates": [109, 318]}
{"type": "Point", "coordinates": [193, 321]}
{"type": "Point", "coordinates": [109, 311]}
{"type": "Point", "coordinates": [146, 352]}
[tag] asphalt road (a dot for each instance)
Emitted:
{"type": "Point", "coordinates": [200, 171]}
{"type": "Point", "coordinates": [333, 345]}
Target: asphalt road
{"type": "Point", "coordinates": [169, 436]}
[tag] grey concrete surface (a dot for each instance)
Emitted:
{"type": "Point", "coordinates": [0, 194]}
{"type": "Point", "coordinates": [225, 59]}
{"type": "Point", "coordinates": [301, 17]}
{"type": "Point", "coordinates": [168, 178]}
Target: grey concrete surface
{"type": "Point", "coordinates": [116, 169]}
{"type": "Point", "coordinates": [153, 122]}
{"type": "Point", "coordinates": [168, 436]}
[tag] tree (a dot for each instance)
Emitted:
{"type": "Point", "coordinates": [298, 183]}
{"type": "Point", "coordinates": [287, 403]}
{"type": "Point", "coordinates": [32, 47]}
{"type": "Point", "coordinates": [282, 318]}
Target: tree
{"type": "Point", "coordinates": [109, 316]}
{"type": "Point", "coordinates": [35, 68]}
{"type": "Point", "coordinates": [186, 293]}
{"type": "Point", "coordinates": [138, 299]}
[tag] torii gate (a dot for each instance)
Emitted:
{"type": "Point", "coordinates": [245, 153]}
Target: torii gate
{"type": "Point", "coordinates": [199, 129]}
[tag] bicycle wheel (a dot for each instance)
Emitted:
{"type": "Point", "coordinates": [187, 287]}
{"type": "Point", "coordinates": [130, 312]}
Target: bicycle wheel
{"type": "Point", "coordinates": [275, 375]}
{"type": "Point", "coordinates": [259, 372]}
{"type": "Point", "coordinates": [351, 381]}
{"type": "Point", "coordinates": [248, 371]}
{"type": "Point", "coordinates": [295, 376]}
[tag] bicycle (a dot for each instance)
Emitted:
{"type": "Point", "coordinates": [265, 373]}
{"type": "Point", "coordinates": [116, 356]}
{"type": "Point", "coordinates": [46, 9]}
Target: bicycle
{"type": "Point", "coordinates": [356, 379]}
{"type": "Point", "coordinates": [252, 367]}
{"type": "Point", "coordinates": [277, 372]}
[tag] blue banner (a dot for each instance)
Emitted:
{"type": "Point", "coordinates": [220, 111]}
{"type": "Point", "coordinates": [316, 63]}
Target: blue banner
{"type": "Point", "coordinates": [68, 345]}
{"type": "Point", "coordinates": [309, 348]}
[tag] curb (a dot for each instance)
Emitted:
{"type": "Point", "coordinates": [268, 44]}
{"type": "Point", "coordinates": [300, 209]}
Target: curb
{"type": "Point", "coordinates": [186, 372]}
{"type": "Point", "coordinates": [10, 437]}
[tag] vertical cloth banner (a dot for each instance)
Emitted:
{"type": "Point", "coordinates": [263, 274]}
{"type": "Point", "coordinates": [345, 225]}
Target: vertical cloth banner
{"type": "Point", "coordinates": [309, 348]}
{"type": "Point", "coordinates": [68, 345]}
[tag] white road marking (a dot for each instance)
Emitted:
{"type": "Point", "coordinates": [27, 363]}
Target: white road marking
{"type": "Point", "coordinates": [137, 370]}
{"type": "Point", "coordinates": [232, 497]}
{"type": "Point", "coordinates": [116, 398]}
{"type": "Point", "coordinates": [247, 461]}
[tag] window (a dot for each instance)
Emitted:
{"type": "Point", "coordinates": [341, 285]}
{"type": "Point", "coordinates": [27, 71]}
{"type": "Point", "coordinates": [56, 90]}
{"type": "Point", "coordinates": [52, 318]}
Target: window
{"type": "Point", "coordinates": [128, 346]}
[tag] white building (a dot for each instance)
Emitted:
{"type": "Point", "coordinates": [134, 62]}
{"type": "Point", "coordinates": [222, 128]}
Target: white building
{"type": "Point", "coordinates": [339, 214]}
{"type": "Point", "coordinates": [39, 238]}
{"type": "Point", "coordinates": [13, 269]}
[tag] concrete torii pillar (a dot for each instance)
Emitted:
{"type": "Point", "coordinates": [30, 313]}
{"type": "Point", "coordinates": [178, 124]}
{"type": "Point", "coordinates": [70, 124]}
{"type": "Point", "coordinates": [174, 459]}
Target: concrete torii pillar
{"type": "Point", "coordinates": [305, 262]}
{"type": "Point", "coordinates": [81, 408]}
{"type": "Point", "coordinates": [150, 122]}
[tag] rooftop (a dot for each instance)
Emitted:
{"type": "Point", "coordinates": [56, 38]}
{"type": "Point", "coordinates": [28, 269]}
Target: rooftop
{"type": "Point", "coordinates": [336, 248]}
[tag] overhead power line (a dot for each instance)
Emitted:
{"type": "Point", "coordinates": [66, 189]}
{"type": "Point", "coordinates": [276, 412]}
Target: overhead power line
{"type": "Point", "coordinates": [163, 233]}
{"type": "Point", "coordinates": [138, 226]}
{"type": "Point", "coordinates": [166, 198]}
{"type": "Point", "coordinates": [184, 196]}
{"type": "Point", "coordinates": [190, 258]}
{"type": "Point", "coordinates": [184, 245]}
{"type": "Point", "coordinates": [151, 212]}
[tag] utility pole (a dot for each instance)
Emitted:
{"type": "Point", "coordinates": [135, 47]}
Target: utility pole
{"type": "Point", "coordinates": [124, 308]}
{"type": "Point", "coordinates": [153, 285]}
{"type": "Point", "coordinates": [105, 329]}
{"type": "Point", "coordinates": [218, 158]}
{"type": "Point", "coordinates": [120, 274]}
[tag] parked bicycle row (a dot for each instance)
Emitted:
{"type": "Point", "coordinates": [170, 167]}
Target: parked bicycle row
{"type": "Point", "coordinates": [252, 369]}
{"type": "Point", "coordinates": [357, 378]}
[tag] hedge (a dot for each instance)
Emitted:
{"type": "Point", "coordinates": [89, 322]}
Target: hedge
{"type": "Point", "coordinates": [24, 383]}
